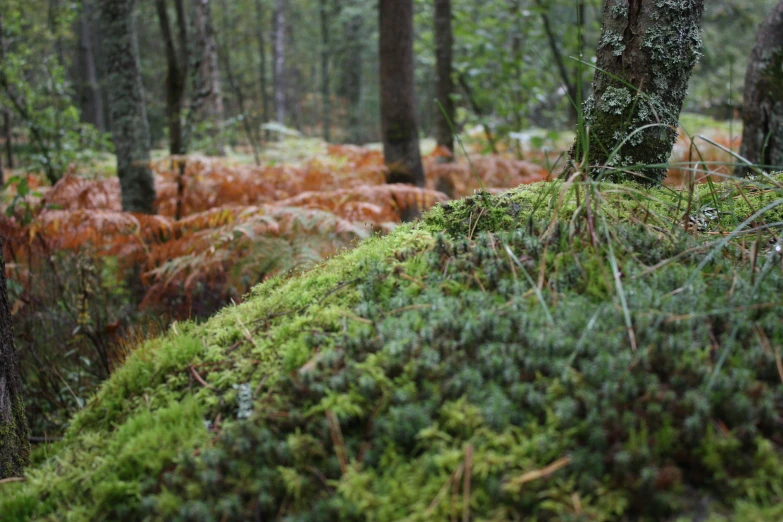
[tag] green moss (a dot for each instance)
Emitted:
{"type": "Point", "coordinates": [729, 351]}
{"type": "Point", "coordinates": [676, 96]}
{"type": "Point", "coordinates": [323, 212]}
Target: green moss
{"type": "Point", "coordinates": [369, 386]}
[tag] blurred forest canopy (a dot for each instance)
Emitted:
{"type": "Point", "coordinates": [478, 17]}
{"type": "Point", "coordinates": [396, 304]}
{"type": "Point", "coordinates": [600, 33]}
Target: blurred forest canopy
{"type": "Point", "coordinates": [507, 57]}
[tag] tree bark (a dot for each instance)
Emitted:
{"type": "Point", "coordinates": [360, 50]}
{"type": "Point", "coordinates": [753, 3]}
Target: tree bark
{"type": "Point", "coordinates": [398, 103]}
{"type": "Point", "coordinates": [210, 72]}
{"type": "Point", "coordinates": [262, 59]}
{"type": "Point", "coordinates": [235, 86]}
{"type": "Point", "coordinates": [176, 74]}
{"type": "Point", "coordinates": [444, 44]}
{"type": "Point", "coordinates": [326, 106]}
{"type": "Point", "coordinates": [279, 49]}
{"type": "Point", "coordinates": [646, 55]}
{"type": "Point", "coordinates": [7, 128]}
{"type": "Point", "coordinates": [762, 135]}
{"type": "Point", "coordinates": [129, 126]}
{"type": "Point", "coordinates": [90, 93]}
{"type": "Point", "coordinates": [351, 82]}
{"type": "Point", "coordinates": [14, 443]}
{"type": "Point", "coordinates": [9, 144]}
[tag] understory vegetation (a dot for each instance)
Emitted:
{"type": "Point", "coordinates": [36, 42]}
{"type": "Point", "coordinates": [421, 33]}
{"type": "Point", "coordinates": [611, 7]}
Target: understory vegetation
{"type": "Point", "coordinates": [560, 351]}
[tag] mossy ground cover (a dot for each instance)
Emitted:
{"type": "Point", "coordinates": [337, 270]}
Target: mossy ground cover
{"type": "Point", "coordinates": [558, 352]}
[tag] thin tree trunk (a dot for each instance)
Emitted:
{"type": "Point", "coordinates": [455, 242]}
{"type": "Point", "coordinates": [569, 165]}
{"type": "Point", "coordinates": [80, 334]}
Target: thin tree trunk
{"type": "Point", "coordinates": [14, 443]}
{"type": "Point", "coordinates": [326, 108]}
{"type": "Point", "coordinates": [176, 75]}
{"type": "Point", "coordinates": [554, 46]}
{"type": "Point", "coordinates": [236, 87]}
{"type": "Point", "coordinates": [398, 102]}
{"type": "Point", "coordinates": [129, 126]}
{"type": "Point", "coordinates": [651, 46]}
{"type": "Point", "coordinates": [517, 46]}
{"type": "Point", "coordinates": [762, 135]}
{"type": "Point", "coordinates": [280, 62]}
{"type": "Point", "coordinates": [444, 44]}
{"type": "Point", "coordinates": [463, 81]}
{"type": "Point", "coordinates": [210, 72]}
{"type": "Point", "coordinates": [262, 59]}
{"type": "Point", "coordinates": [54, 29]}
{"type": "Point", "coordinates": [9, 144]}
{"type": "Point", "coordinates": [92, 101]}
{"type": "Point", "coordinates": [351, 84]}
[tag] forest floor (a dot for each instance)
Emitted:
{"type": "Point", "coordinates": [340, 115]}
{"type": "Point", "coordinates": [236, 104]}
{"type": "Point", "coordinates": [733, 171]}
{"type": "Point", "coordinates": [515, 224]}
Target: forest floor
{"type": "Point", "coordinates": [558, 351]}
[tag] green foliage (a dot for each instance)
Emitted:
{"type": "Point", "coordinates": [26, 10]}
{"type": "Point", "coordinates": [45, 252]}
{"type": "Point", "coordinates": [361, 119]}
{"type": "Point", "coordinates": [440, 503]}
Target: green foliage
{"type": "Point", "coordinates": [34, 85]}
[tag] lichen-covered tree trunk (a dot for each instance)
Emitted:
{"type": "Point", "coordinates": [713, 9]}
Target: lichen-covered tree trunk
{"type": "Point", "coordinates": [444, 43]}
{"type": "Point", "coordinates": [398, 102]}
{"type": "Point", "coordinates": [129, 126]}
{"type": "Point", "coordinates": [646, 53]}
{"type": "Point", "coordinates": [762, 135]}
{"type": "Point", "coordinates": [14, 442]}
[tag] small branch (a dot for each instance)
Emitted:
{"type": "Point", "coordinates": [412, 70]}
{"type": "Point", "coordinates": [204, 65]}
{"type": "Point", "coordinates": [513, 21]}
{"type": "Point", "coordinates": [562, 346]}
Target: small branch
{"type": "Point", "coordinates": [12, 479]}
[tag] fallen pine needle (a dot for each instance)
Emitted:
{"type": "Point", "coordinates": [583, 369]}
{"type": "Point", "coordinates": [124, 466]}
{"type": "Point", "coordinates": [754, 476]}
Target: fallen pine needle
{"type": "Point", "coordinates": [530, 476]}
{"type": "Point", "coordinates": [337, 440]}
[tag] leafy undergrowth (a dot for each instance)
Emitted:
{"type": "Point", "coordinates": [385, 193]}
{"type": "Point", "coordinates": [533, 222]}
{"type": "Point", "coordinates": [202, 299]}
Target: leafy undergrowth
{"type": "Point", "coordinates": [572, 353]}
{"type": "Point", "coordinates": [84, 275]}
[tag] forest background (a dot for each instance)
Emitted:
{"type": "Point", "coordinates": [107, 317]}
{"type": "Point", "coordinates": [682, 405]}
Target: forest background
{"type": "Point", "coordinates": [266, 188]}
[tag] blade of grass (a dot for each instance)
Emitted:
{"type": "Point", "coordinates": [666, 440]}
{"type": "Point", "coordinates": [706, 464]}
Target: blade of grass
{"type": "Point", "coordinates": [533, 285]}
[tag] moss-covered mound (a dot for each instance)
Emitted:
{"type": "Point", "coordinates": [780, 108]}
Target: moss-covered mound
{"type": "Point", "coordinates": [570, 353]}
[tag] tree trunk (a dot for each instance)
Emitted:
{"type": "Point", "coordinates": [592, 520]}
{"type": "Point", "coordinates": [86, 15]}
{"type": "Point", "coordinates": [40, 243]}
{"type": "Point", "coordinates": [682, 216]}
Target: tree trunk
{"type": "Point", "coordinates": [444, 43]}
{"type": "Point", "coordinates": [351, 83]}
{"type": "Point", "coordinates": [646, 54]}
{"type": "Point", "coordinates": [7, 128]}
{"type": "Point", "coordinates": [762, 135]}
{"type": "Point", "coordinates": [326, 107]}
{"type": "Point", "coordinates": [234, 84]}
{"type": "Point", "coordinates": [176, 74]}
{"type": "Point", "coordinates": [9, 144]}
{"type": "Point", "coordinates": [210, 72]}
{"type": "Point", "coordinates": [262, 62]}
{"type": "Point", "coordinates": [568, 83]}
{"type": "Point", "coordinates": [14, 443]}
{"type": "Point", "coordinates": [280, 62]}
{"type": "Point", "coordinates": [129, 126]}
{"type": "Point", "coordinates": [90, 94]}
{"type": "Point", "coordinates": [398, 103]}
